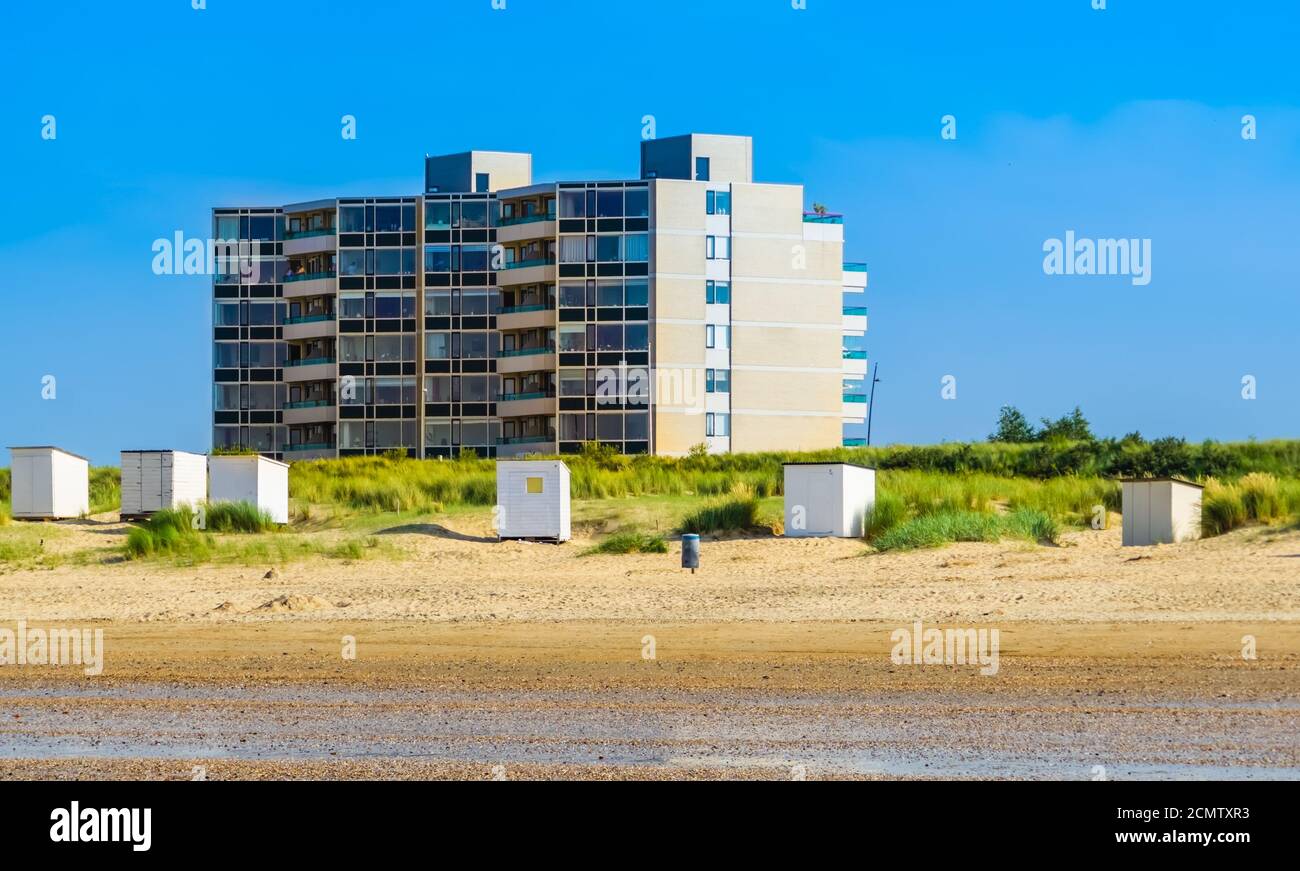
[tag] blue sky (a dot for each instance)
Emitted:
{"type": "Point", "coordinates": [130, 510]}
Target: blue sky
{"type": "Point", "coordinates": [1117, 123]}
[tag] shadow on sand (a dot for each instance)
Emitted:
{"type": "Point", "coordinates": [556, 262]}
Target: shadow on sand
{"type": "Point", "coordinates": [438, 531]}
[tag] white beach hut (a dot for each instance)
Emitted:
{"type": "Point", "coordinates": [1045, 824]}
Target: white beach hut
{"type": "Point", "coordinates": [827, 499]}
{"type": "Point", "coordinates": [1160, 510]}
{"type": "Point", "coordinates": [533, 499]}
{"type": "Point", "coordinates": [153, 480]}
{"type": "Point", "coordinates": [250, 478]}
{"type": "Point", "coordinates": [48, 483]}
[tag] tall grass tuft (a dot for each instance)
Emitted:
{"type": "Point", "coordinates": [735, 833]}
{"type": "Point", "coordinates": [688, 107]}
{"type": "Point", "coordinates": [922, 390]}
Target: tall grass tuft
{"type": "Point", "coordinates": [1034, 525]}
{"type": "Point", "coordinates": [734, 513]}
{"type": "Point", "coordinates": [1261, 497]}
{"type": "Point", "coordinates": [237, 517]}
{"type": "Point", "coordinates": [888, 511]}
{"type": "Point", "coordinates": [1222, 508]}
{"type": "Point", "coordinates": [933, 530]}
{"type": "Point", "coordinates": [629, 541]}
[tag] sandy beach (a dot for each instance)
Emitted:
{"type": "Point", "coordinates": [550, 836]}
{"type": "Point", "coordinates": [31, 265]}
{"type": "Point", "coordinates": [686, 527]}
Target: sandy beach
{"type": "Point", "coordinates": [480, 660]}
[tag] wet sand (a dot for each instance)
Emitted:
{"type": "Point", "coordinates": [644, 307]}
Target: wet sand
{"type": "Point", "coordinates": [813, 700]}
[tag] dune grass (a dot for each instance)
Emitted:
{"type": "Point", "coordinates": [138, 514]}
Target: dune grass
{"type": "Point", "coordinates": [175, 535]}
{"type": "Point", "coordinates": [629, 541]}
{"type": "Point", "coordinates": [944, 527]}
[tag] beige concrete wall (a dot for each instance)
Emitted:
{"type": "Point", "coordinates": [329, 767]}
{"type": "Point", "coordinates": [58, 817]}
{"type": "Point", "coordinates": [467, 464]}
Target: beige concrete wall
{"type": "Point", "coordinates": [754, 433]}
{"type": "Point", "coordinates": [506, 169]}
{"type": "Point", "coordinates": [677, 433]}
{"type": "Point", "coordinates": [731, 158]}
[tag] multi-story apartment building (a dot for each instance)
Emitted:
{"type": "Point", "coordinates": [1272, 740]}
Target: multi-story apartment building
{"type": "Point", "coordinates": [689, 306]}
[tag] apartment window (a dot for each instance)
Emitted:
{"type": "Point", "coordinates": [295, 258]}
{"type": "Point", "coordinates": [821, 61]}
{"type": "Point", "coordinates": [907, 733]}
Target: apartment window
{"type": "Point", "coordinates": [474, 302]}
{"type": "Point", "coordinates": [637, 203]}
{"type": "Point", "coordinates": [609, 204]}
{"type": "Point", "coordinates": [388, 434]}
{"type": "Point", "coordinates": [717, 425]}
{"type": "Point", "coordinates": [573, 295]}
{"type": "Point", "coordinates": [226, 397]}
{"type": "Point", "coordinates": [481, 182]}
{"type": "Point", "coordinates": [437, 303]}
{"type": "Point", "coordinates": [474, 345]}
{"type": "Point", "coordinates": [437, 435]}
{"type": "Point", "coordinates": [609, 337]}
{"type": "Point", "coordinates": [440, 258]}
{"type": "Point", "coordinates": [637, 337]}
{"type": "Point", "coordinates": [636, 427]}
{"type": "Point", "coordinates": [573, 249]}
{"type": "Point", "coordinates": [262, 355]}
{"type": "Point", "coordinates": [473, 215]}
{"type": "Point", "coordinates": [717, 380]}
{"type": "Point", "coordinates": [474, 258]}
{"type": "Point", "coordinates": [701, 169]}
{"type": "Point", "coordinates": [636, 248]}
{"type": "Point", "coordinates": [717, 336]}
{"type": "Point", "coordinates": [437, 346]}
{"type": "Point", "coordinates": [637, 292]}
{"type": "Point", "coordinates": [572, 337]}
{"type": "Point", "coordinates": [437, 215]}
{"type": "Point", "coordinates": [263, 397]}
{"type": "Point", "coordinates": [226, 355]}
{"type": "Point", "coordinates": [573, 382]}
{"type": "Point", "coordinates": [478, 388]}
{"type": "Point", "coordinates": [718, 202]}
{"type": "Point", "coordinates": [573, 204]}
{"type": "Point", "coordinates": [225, 314]}
{"type": "Point", "coordinates": [609, 249]}
{"type": "Point", "coordinates": [717, 292]}
{"type": "Point", "coordinates": [609, 293]}
{"type": "Point", "coordinates": [717, 247]}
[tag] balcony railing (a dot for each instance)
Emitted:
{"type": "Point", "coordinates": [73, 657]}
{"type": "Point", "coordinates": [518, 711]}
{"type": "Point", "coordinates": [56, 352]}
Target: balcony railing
{"type": "Point", "coordinates": [527, 352]}
{"type": "Point", "coordinates": [522, 264]}
{"type": "Point", "coordinates": [309, 319]}
{"type": "Point", "coordinates": [309, 361]}
{"type": "Point", "coordinates": [526, 440]}
{"type": "Point", "coordinates": [310, 446]}
{"type": "Point", "coordinates": [854, 355]}
{"type": "Point", "coordinates": [855, 443]}
{"type": "Point", "coordinates": [854, 397]}
{"type": "Point", "coordinates": [827, 218]}
{"type": "Point", "coordinates": [310, 276]}
{"type": "Point", "coordinates": [855, 267]}
{"type": "Point", "coordinates": [859, 311]}
{"type": "Point", "coordinates": [520, 309]}
{"type": "Point", "coordinates": [307, 234]}
{"type": "Point", "coordinates": [515, 397]}
{"type": "Point", "coordinates": [310, 403]}
{"type": "Point", "coordinates": [525, 219]}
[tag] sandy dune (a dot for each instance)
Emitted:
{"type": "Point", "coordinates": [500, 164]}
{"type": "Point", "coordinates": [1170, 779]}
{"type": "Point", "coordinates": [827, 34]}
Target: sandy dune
{"type": "Point", "coordinates": [461, 575]}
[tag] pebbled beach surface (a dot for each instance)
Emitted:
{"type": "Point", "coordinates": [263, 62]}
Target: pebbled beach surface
{"type": "Point", "coordinates": [580, 701]}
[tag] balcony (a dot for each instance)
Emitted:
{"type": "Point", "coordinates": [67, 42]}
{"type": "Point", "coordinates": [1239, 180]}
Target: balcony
{"type": "Point", "coordinates": [310, 451]}
{"type": "Point", "coordinates": [309, 327]}
{"type": "Point", "coordinates": [822, 218]}
{"type": "Point", "coordinates": [536, 404]}
{"type": "Point", "coordinates": [524, 227]}
{"type": "Point", "coordinates": [536, 271]}
{"type": "Point", "coordinates": [310, 369]}
{"type": "Point", "coordinates": [526, 360]}
{"type": "Point", "coordinates": [855, 443]}
{"type": "Point", "coordinates": [309, 242]}
{"type": "Point", "coordinates": [525, 317]}
{"type": "Point", "coordinates": [310, 284]}
{"type": "Point", "coordinates": [310, 411]}
{"type": "Point", "coordinates": [855, 319]}
{"type": "Point", "coordinates": [855, 276]}
{"type": "Point", "coordinates": [855, 362]}
{"type": "Point", "coordinates": [517, 447]}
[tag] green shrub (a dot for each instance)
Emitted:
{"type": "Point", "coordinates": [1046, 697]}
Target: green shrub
{"type": "Point", "coordinates": [629, 541]}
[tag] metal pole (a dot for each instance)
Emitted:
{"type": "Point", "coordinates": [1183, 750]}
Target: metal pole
{"type": "Point", "coordinates": [871, 401]}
